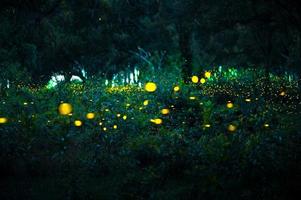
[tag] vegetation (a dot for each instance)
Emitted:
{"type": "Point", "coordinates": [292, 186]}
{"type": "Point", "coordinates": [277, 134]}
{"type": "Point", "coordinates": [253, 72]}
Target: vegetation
{"type": "Point", "coordinates": [230, 137]}
{"type": "Point", "coordinates": [150, 99]}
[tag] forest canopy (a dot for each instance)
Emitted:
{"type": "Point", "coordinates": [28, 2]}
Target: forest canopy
{"type": "Point", "coordinates": [39, 38]}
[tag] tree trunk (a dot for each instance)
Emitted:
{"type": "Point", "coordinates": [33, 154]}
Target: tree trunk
{"type": "Point", "coordinates": [185, 49]}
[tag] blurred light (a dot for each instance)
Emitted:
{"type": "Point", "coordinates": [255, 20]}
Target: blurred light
{"type": "Point", "coordinates": [115, 126]}
{"type": "Point", "coordinates": [150, 87]}
{"type": "Point", "coordinates": [232, 128]}
{"type": "Point", "coordinates": [3, 120]}
{"type": "Point", "coordinates": [192, 98]}
{"type": "Point", "coordinates": [157, 121]}
{"type": "Point", "coordinates": [118, 115]}
{"type": "Point", "coordinates": [282, 93]}
{"type": "Point", "coordinates": [176, 89]}
{"type": "Point", "coordinates": [165, 111]}
{"type": "Point", "coordinates": [203, 80]}
{"type": "Point", "coordinates": [266, 125]}
{"type": "Point", "coordinates": [207, 125]}
{"type": "Point", "coordinates": [90, 115]}
{"type": "Point", "coordinates": [78, 123]}
{"type": "Point", "coordinates": [195, 79]}
{"type": "Point", "coordinates": [207, 74]}
{"type": "Point", "coordinates": [248, 100]}
{"type": "Point", "coordinates": [65, 109]}
{"type": "Point", "coordinates": [124, 117]}
{"type": "Point", "coordinates": [145, 102]}
{"type": "Point", "coordinates": [230, 105]}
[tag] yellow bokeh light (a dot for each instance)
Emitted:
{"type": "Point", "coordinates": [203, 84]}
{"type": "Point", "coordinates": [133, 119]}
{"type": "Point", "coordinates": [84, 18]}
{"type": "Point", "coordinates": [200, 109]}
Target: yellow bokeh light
{"type": "Point", "coordinates": [192, 98]}
{"type": "Point", "coordinates": [203, 80]}
{"type": "Point", "coordinates": [176, 89]}
{"type": "Point", "coordinates": [65, 108]}
{"type": "Point", "coordinates": [157, 121]}
{"type": "Point", "coordinates": [165, 111]}
{"type": "Point", "coordinates": [3, 120]}
{"type": "Point", "coordinates": [232, 128]}
{"type": "Point", "coordinates": [207, 74]}
{"type": "Point", "coordinates": [104, 129]}
{"type": "Point", "coordinates": [207, 125]}
{"type": "Point", "coordinates": [282, 94]}
{"type": "Point", "coordinates": [266, 125]}
{"type": "Point", "coordinates": [90, 115]}
{"type": "Point", "coordinates": [124, 117]}
{"type": "Point", "coordinates": [78, 123]}
{"type": "Point", "coordinates": [195, 79]}
{"type": "Point", "coordinates": [100, 123]}
{"type": "Point", "coordinates": [150, 87]}
{"type": "Point", "coordinates": [146, 102]}
{"type": "Point", "coordinates": [248, 100]}
{"type": "Point", "coordinates": [230, 105]}
{"type": "Point", "coordinates": [115, 126]}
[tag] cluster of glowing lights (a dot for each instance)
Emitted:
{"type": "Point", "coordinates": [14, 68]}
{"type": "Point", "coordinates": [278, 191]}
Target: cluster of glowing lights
{"type": "Point", "coordinates": [150, 87]}
{"type": "Point", "coordinates": [65, 108]}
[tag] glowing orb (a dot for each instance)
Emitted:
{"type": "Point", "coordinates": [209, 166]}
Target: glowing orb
{"type": "Point", "coordinates": [124, 117]}
{"type": "Point", "coordinates": [195, 79]}
{"type": "Point", "coordinates": [90, 115]}
{"type": "Point", "coordinates": [157, 121]}
{"type": "Point", "coordinates": [282, 94]}
{"type": "Point", "coordinates": [146, 102]}
{"type": "Point", "coordinates": [118, 115]}
{"type": "Point", "coordinates": [65, 109]}
{"type": "Point", "coordinates": [248, 100]}
{"type": "Point", "coordinates": [192, 98]}
{"type": "Point", "coordinates": [78, 123]}
{"type": "Point", "coordinates": [207, 125]}
{"type": "Point", "coordinates": [232, 128]}
{"type": "Point", "coordinates": [266, 125]}
{"type": "Point", "coordinates": [207, 74]}
{"type": "Point", "coordinates": [3, 120]}
{"type": "Point", "coordinates": [165, 111]}
{"type": "Point", "coordinates": [150, 87]}
{"type": "Point", "coordinates": [176, 89]}
{"type": "Point", "coordinates": [104, 129]}
{"type": "Point", "coordinates": [203, 80]}
{"type": "Point", "coordinates": [230, 105]}
{"type": "Point", "coordinates": [115, 126]}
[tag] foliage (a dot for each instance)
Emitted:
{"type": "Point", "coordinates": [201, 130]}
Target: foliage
{"type": "Point", "coordinates": [191, 155]}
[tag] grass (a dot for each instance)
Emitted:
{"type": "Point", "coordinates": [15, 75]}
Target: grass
{"type": "Point", "coordinates": [198, 147]}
